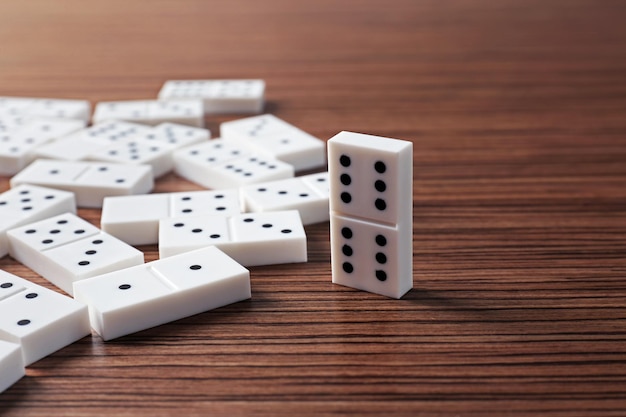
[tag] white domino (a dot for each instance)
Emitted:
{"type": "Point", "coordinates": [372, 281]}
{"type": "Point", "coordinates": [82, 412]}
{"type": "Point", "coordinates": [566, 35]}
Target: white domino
{"type": "Point", "coordinates": [41, 321]}
{"type": "Point", "coordinates": [151, 112]}
{"type": "Point", "coordinates": [91, 182]}
{"type": "Point", "coordinates": [138, 152]}
{"type": "Point", "coordinates": [145, 296]}
{"type": "Point", "coordinates": [11, 364]}
{"type": "Point", "coordinates": [46, 107]}
{"type": "Point", "coordinates": [18, 145]}
{"type": "Point", "coordinates": [273, 137]}
{"type": "Point", "coordinates": [65, 248]}
{"type": "Point", "coordinates": [308, 194]}
{"type": "Point", "coordinates": [219, 96]}
{"type": "Point", "coordinates": [219, 164]}
{"type": "Point", "coordinates": [135, 219]}
{"type": "Point", "coordinates": [29, 203]}
{"type": "Point", "coordinates": [81, 144]}
{"type": "Point", "coordinates": [371, 213]}
{"type": "Point", "coordinates": [251, 239]}
{"type": "Point", "coordinates": [176, 135]}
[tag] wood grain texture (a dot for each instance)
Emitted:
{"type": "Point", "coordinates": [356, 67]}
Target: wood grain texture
{"type": "Point", "coordinates": [517, 111]}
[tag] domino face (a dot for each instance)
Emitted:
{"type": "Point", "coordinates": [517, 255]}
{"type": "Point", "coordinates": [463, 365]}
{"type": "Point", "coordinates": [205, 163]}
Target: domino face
{"type": "Point", "coordinates": [11, 363]}
{"type": "Point", "coordinates": [219, 96]}
{"type": "Point", "coordinates": [371, 177]}
{"type": "Point", "coordinates": [273, 137]}
{"type": "Point", "coordinates": [307, 194]}
{"type": "Point", "coordinates": [18, 145]}
{"type": "Point", "coordinates": [65, 248]}
{"type": "Point", "coordinates": [29, 203]}
{"type": "Point", "coordinates": [135, 219]}
{"type": "Point", "coordinates": [90, 181]}
{"type": "Point", "coordinates": [136, 152]}
{"type": "Point", "coordinates": [251, 239]}
{"type": "Point", "coordinates": [152, 112]}
{"type": "Point", "coordinates": [46, 107]}
{"type": "Point", "coordinates": [177, 135]}
{"type": "Point", "coordinates": [218, 164]}
{"type": "Point", "coordinates": [162, 291]}
{"type": "Point", "coordinates": [370, 256]}
{"type": "Point", "coordinates": [41, 321]}
{"type": "Point", "coordinates": [371, 207]}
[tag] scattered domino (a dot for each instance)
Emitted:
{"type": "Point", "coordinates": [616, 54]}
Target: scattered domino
{"type": "Point", "coordinates": [46, 107]}
{"type": "Point", "coordinates": [41, 321]}
{"type": "Point", "coordinates": [65, 248]}
{"type": "Point", "coordinates": [90, 181]}
{"type": "Point", "coordinates": [18, 144]}
{"type": "Point", "coordinates": [30, 203]}
{"type": "Point", "coordinates": [252, 239]}
{"type": "Point", "coordinates": [151, 112]}
{"type": "Point", "coordinates": [308, 194]}
{"type": "Point", "coordinates": [371, 206]}
{"type": "Point", "coordinates": [148, 295]}
{"type": "Point", "coordinates": [219, 96]}
{"type": "Point", "coordinates": [218, 164]}
{"type": "Point", "coordinates": [270, 136]}
{"type": "Point", "coordinates": [79, 145]}
{"type": "Point", "coordinates": [135, 219]}
{"type": "Point", "coordinates": [11, 364]}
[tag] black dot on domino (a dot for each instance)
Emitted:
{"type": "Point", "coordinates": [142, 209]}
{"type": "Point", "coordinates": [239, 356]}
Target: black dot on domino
{"type": "Point", "coordinates": [380, 167]}
{"type": "Point", "coordinates": [90, 252]}
{"type": "Point", "coordinates": [23, 322]}
{"type": "Point", "coordinates": [344, 160]}
{"type": "Point", "coordinates": [381, 258]}
{"type": "Point", "coordinates": [347, 250]}
{"type": "Point", "coordinates": [380, 204]}
{"type": "Point", "coordinates": [285, 231]}
{"type": "Point", "coordinates": [124, 287]}
{"type": "Point", "coordinates": [83, 263]}
{"type": "Point", "coordinates": [179, 224]}
{"type": "Point", "coordinates": [6, 285]}
{"type": "Point", "coordinates": [380, 186]}
{"type": "Point", "coordinates": [195, 267]}
{"type": "Point", "coordinates": [196, 230]}
{"type": "Point", "coordinates": [381, 240]}
{"type": "Point", "coordinates": [31, 295]}
{"type": "Point", "coordinates": [346, 232]}
{"type": "Point", "coordinates": [346, 197]}
{"type": "Point", "coordinates": [347, 267]}
{"type": "Point", "coordinates": [345, 179]}
{"type": "Point", "coordinates": [381, 275]}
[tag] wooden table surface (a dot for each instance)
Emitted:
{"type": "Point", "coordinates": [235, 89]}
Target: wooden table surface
{"type": "Point", "coordinates": [517, 111]}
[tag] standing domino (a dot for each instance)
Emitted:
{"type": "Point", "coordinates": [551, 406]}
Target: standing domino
{"type": "Point", "coordinates": [371, 206]}
{"type": "Point", "coordinates": [162, 291]}
{"type": "Point", "coordinates": [40, 320]}
{"type": "Point", "coordinates": [219, 96]}
{"type": "Point", "coordinates": [272, 137]}
{"type": "Point", "coordinates": [30, 203]}
{"type": "Point", "coordinates": [65, 248]}
{"type": "Point", "coordinates": [90, 181]}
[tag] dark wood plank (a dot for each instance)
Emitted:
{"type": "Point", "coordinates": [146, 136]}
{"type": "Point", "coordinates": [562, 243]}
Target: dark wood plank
{"type": "Point", "coordinates": [516, 110]}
